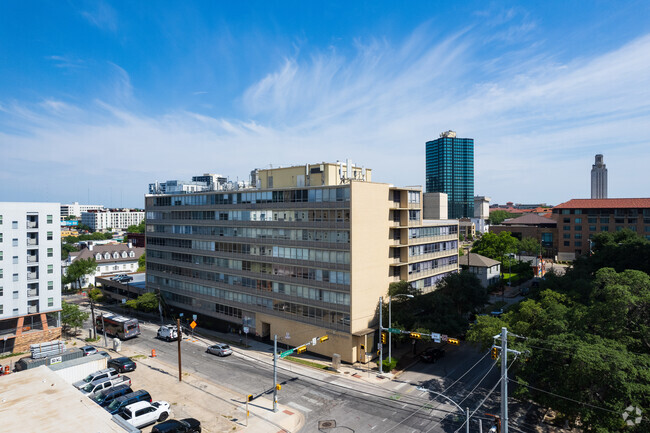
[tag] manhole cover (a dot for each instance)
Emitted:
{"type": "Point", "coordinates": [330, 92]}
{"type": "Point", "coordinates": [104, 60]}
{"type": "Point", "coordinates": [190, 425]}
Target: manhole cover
{"type": "Point", "coordinates": [329, 423]}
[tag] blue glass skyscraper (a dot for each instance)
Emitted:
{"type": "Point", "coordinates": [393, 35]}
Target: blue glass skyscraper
{"type": "Point", "coordinates": [450, 169]}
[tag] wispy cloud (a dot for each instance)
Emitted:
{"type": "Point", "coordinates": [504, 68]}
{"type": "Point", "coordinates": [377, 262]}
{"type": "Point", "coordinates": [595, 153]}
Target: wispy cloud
{"type": "Point", "coordinates": [101, 14]}
{"type": "Point", "coordinates": [536, 127]}
{"type": "Point", "coordinates": [66, 62]}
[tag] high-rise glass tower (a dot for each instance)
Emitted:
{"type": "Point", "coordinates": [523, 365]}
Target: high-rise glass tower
{"type": "Point", "coordinates": [450, 169]}
{"type": "Point", "coordinates": [599, 178]}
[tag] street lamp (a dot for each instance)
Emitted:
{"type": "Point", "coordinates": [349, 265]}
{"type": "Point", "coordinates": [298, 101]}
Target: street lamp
{"type": "Point", "coordinates": [390, 323]}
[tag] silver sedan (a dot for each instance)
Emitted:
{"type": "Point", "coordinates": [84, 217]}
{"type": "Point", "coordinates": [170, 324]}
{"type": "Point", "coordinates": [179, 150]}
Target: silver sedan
{"type": "Point", "coordinates": [219, 349]}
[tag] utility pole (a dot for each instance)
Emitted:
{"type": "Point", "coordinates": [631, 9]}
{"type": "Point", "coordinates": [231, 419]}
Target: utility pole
{"type": "Point", "coordinates": [178, 329]}
{"type": "Point", "coordinates": [381, 346]}
{"type": "Point", "coordinates": [275, 373]}
{"type": "Point", "coordinates": [104, 331]}
{"type": "Point", "coordinates": [467, 422]}
{"type": "Point", "coordinates": [504, 380]}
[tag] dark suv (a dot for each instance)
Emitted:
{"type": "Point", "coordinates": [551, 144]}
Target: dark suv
{"type": "Point", "coordinates": [105, 397]}
{"type": "Point", "coordinates": [432, 354]}
{"type": "Point", "coordinates": [122, 364]}
{"type": "Point", "coordinates": [187, 425]}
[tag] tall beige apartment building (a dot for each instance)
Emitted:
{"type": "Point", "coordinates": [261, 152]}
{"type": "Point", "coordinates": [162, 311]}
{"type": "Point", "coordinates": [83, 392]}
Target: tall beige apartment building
{"type": "Point", "coordinates": [307, 251]}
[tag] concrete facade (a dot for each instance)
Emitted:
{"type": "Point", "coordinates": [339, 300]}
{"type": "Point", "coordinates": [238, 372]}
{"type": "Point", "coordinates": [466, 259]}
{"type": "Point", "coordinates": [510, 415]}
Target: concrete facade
{"type": "Point", "coordinates": [305, 259]}
{"type": "Point", "coordinates": [76, 209]}
{"type": "Point", "coordinates": [111, 259]}
{"type": "Point", "coordinates": [486, 269]}
{"type": "Point", "coordinates": [599, 178]}
{"type": "Point", "coordinates": [435, 205]}
{"type": "Point", "coordinates": [30, 272]}
{"type": "Point", "coordinates": [116, 219]}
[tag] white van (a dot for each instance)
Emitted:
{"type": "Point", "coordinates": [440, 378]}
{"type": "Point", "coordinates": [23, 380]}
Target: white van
{"type": "Point", "coordinates": [167, 333]}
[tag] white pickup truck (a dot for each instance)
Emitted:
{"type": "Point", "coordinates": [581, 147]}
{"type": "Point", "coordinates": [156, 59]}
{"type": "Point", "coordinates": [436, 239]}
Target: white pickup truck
{"type": "Point", "coordinates": [105, 383]}
{"type": "Point", "coordinates": [144, 413]}
{"type": "Point", "coordinates": [101, 374]}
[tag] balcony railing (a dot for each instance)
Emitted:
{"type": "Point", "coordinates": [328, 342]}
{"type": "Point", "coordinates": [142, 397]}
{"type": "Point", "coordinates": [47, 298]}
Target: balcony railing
{"type": "Point", "coordinates": [32, 292]}
{"type": "Point", "coordinates": [32, 259]}
{"type": "Point", "coordinates": [32, 276]}
{"type": "Point", "coordinates": [32, 224]}
{"type": "Point", "coordinates": [32, 241]}
{"type": "Point", "coordinates": [32, 309]}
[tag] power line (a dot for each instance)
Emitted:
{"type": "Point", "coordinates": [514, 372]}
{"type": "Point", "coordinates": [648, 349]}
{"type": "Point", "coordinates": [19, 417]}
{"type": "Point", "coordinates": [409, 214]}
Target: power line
{"type": "Point", "coordinates": [566, 398]}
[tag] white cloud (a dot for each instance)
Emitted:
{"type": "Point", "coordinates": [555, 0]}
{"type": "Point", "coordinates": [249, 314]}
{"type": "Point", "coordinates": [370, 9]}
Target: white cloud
{"type": "Point", "coordinates": [536, 126]}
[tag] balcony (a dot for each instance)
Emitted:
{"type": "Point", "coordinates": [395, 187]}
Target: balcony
{"type": "Point", "coordinates": [32, 242]}
{"type": "Point", "coordinates": [32, 309]}
{"type": "Point", "coordinates": [32, 258]}
{"type": "Point", "coordinates": [32, 276]}
{"type": "Point", "coordinates": [32, 292]}
{"type": "Point", "coordinates": [32, 225]}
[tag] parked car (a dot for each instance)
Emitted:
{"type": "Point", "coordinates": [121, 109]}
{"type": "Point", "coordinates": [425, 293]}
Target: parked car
{"type": "Point", "coordinates": [220, 349]}
{"type": "Point", "coordinates": [167, 333]}
{"type": "Point", "coordinates": [432, 354]}
{"type": "Point", "coordinates": [101, 374]}
{"type": "Point", "coordinates": [144, 413]}
{"type": "Point", "coordinates": [122, 364]}
{"type": "Point", "coordinates": [89, 350]}
{"type": "Point", "coordinates": [117, 277]}
{"type": "Point", "coordinates": [187, 425]}
{"type": "Point", "coordinates": [121, 402]}
{"type": "Point", "coordinates": [105, 397]}
{"type": "Point", "coordinates": [126, 279]}
{"type": "Point", "coordinates": [105, 383]}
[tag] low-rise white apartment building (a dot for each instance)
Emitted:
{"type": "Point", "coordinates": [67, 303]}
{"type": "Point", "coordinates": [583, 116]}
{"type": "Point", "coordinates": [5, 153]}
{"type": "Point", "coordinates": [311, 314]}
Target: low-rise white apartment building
{"type": "Point", "coordinates": [76, 209]}
{"type": "Point", "coordinates": [116, 219]}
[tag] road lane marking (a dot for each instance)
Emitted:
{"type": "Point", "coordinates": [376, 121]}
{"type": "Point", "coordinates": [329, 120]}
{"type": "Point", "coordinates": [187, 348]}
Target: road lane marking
{"type": "Point", "coordinates": [401, 385]}
{"type": "Point", "coordinates": [299, 407]}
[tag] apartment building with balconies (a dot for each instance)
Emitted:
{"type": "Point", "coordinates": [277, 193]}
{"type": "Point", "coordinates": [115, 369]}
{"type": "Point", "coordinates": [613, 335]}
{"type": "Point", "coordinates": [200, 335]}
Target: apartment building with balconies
{"type": "Point", "coordinates": [30, 274]}
{"type": "Point", "coordinates": [308, 252]}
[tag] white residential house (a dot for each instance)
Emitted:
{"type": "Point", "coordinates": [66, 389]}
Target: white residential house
{"type": "Point", "coordinates": [111, 259]}
{"type": "Point", "coordinates": [486, 269]}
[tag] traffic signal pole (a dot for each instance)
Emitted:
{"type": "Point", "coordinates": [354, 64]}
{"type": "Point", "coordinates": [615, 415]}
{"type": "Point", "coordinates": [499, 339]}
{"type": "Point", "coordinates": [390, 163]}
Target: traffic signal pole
{"type": "Point", "coordinates": [381, 346]}
{"type": "Point", "coordinates": [275, 373]}
{"type": "Point", "coordinates": [504, 380]}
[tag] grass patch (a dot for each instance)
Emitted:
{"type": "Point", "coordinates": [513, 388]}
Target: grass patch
{"type": "Point", "coordinates": [9, 355]}
{"type": "Point", "coordinates": [306, 362]}
{"type": "Point", "coordinates": [138, 357]}
{"type": "Point", "coordinates": [92, 340]}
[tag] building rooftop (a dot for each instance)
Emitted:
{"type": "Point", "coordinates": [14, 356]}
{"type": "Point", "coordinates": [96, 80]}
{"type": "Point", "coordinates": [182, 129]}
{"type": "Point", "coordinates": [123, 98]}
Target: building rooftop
{"type": "Point", "coordinates": [605, 203]}
{"type": "Point", "coordinates": [478, 261]}
{"type": "Point", "coordinates": [40, 400]}
{"type": "Point", "coordinates": [88, 253]}
{"type": "Point", "coordinates": [530, 219]}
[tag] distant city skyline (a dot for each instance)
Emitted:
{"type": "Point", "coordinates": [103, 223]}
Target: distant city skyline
{"type": "Point", "coordinates": [99, 99]}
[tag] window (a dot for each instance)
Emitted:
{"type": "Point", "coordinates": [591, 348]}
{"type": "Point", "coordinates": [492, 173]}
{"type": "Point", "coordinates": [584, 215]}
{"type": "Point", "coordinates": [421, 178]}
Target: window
{"type": "Point", "coordinates": [15, 294]}
{"type": "Point", "coordinates": [619, 228]}
{"type": "Point", "coordinates": [1, 255]}
{"type": "Point", "coordinates": [592, 228]}
{"type": "Point", "coordinates": [633, 228]}
{"type": "Point", "coordinates": [15, 277]}
{"type": "Point", "coordinates": [15, 260]}
{"type": "Point", "coordinates": [14, 224]}
{"type": "Point", "coordinates": [0, 273]}
{"type": "Point", "coordinates": [14, 242]}
{"type": "Point", "coordinates": [15, 313]}
{"type": "Point", "coordinates": [49, 219]}
{"type": "Point", "coordinates": [50, 252]}
{"type": "Point", "coordinates": [50, 302]}
{"type": "Point", "coordinates": [578, 243]}
{"type": "Point", "coordinates": [578, 211]}
{"type": "Point", "coordinates": [566, 211]}
{"type": "Point", "coordinates": [592, 220]}
{"type": "Point", "coordinates": [2, 291]}
{"type": "Point", "coordinates": [578, 228]}
{"type": "Point", "coordinates": [578, 235]}
{"type": "Point", "coordinates": [566, 235]}
{"type": "Point", "coordinates": [604, 228]}
{"type": "Point", "coordinates": [131, 254]}
{"type": "Point", "coordinates": [566, 228]}
{"type": "Point", "coordinates": [0, 237]}
{"type": "Point", "coordinates": [604, 220]}
{"type": "Point", "coordinates": [567, 243]}
{"type": "Point", "coordinates": [50, 285]}
{"type": "Point", "coordinates": [2, 309]}
{"type": "Point", "coordinates": [0, 219]}
{"type": "Point", "coordinates": [50, 236]}
{"type": "Point", "coordinates": [566, 220]}
{"type": "Point", "coordinates": [50, 269]}
{"type": "Point", "coordinates": [578, 220]}
{"type": "Point", "coordinates": [646, 229]}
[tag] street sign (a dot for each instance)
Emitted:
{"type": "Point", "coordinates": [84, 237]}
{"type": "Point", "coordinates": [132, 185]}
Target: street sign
{"type": "Point", "coordinates": [435, 337]}
{"type": "Point", "coordinates": [180, 314]}
{"type": "Point", "coordinates": [286, 353]}
{"type": "Point", "coordinates": [124, 300]}
{"type": "Point", "coordinates": [194, 317]}
{"type": "Point", "coordinates": [393, 330]}
{"type": "Point", "coordinates": [193, 324]}
{"type": "Point", "coordinates": [443, 337]}
{"type": "Point", "coordinates": [313, 341]}
{"type": "Point", "coordinates": [287, 336]}
{"type": "Point", "coordinates": [379, 345]}
{"type": "Point", "coordinates": [246, 329]}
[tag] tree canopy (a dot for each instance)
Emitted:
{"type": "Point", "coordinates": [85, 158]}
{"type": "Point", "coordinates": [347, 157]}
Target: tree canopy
{"type": "Point", "coordinates": [72, 316]}
{"type": "Point", "coordinates": [495, 246]}
{"type": "Point", "coordinates": [586, 337]}
{"type": "Point", "coordinates": [498, 216]}
{"type": "Point", "coordinates": [78, 269]}
{"type": "Point", "coordinates": [136, 228]}
{"type": "Point", "coordinates": [530, 246]}
{"type": "Point", "coordinates": [145, 302]}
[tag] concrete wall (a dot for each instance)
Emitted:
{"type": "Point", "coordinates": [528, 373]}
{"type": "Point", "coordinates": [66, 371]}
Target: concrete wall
{"type": "Point", "coordinates": [435, 206]}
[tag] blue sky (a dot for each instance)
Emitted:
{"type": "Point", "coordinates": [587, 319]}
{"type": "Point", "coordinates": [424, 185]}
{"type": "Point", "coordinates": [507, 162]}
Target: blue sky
{"type": "Point", "coordinates": [98, 99]}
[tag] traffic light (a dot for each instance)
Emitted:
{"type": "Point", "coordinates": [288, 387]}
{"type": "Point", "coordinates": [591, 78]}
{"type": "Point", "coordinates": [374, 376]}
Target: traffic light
{"type": "Point", "coordinates": [495, 352]}
{"type": "Point", "coordinates": [453, 341]}
{"type": "Point", "coordinates": [416, 335]}
{"type": "Point", "coordinates": [384, 337]}
{"type": "Point", "coordinates": [278, 386]}
{"type": "Point", "coordinates": [324, 338]}
{"type": "Point", "coordinates": [249, 397]}
{"type": "Point", "coordinates": [301, 349]}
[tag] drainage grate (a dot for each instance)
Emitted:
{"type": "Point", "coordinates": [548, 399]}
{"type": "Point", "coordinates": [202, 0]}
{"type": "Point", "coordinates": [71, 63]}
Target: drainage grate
{"type": "Point", "coordinates": [329, 423]}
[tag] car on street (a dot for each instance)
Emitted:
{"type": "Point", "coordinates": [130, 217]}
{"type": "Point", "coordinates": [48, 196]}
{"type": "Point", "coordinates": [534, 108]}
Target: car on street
{"type": "Point", "coordinates": [101, 374]}
{"type": "Point", "coordinates": [89, 350]}
{"type": "Point", "coordinates": [122, 364]}
{"type": "Point", "coordinates": [187, 425]}
{"type": "Point", "coordinates": [219, 349]}
{"type": "Point", "coordinates": [432, 354]}
{"type": "Point", "coordinates": [143, 413]}
{"type": "Point", "coordinates": [168, 333]}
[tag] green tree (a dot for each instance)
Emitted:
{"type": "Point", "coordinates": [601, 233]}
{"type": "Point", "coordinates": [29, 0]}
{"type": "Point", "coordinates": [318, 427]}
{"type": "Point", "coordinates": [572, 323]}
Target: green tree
{"type": "Point", "coordinates": [498, 216]}
{"type": "Point", "coordinates": [495, 246]}
{"type": "Point", "coordinates": [530, 246]}
{"type": "Point", "coordinates": [465, 291]}
{"type": "Point", "coordinates": [139, 228]}
{"type": "Point", "coordinates": [142, 265]}
{"type": "Point", "coordinates": [66, 249]}
{"type": "Point", "coordinates": [146, 302]}
{"type": "Point", "coordinates": [94, 295]}
{"type": "Point", "coordinates": [72, 317]}
{"type": "Point", "coordinates": [77, 271]}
